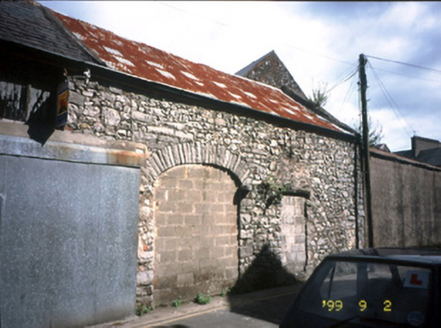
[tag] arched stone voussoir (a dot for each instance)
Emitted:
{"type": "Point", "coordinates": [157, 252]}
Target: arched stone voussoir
{"type": "Point", "coordinates": [196, 153]}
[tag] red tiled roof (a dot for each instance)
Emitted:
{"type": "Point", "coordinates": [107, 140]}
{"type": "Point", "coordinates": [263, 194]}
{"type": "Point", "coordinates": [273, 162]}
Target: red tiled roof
{"type": "Point", "coordinates": [156, 65]}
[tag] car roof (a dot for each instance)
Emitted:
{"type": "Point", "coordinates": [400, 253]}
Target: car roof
{"type": "Point", "coordinates": [418, 258]}
{"type": "Point", "coordinates": [428, 256]}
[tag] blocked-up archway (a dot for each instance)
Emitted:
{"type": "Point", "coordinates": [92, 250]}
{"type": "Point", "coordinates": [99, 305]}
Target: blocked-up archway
{"type": "Point", "coordinates": [196, 232]}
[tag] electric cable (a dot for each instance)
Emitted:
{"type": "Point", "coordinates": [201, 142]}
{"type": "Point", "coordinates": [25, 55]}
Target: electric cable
{"type": "Point", "coordinates": [391, 101]}
{"type": "Point", "coordinates": [349, 92]}
{"type": "Point", "coordinates": [228, 26]}
{"type": "Point", "coordinates": [348, 76]}
{"type": "Point", "coordinates": [408, 76]}
{"type": "Point", "coordinates": [406, 64]}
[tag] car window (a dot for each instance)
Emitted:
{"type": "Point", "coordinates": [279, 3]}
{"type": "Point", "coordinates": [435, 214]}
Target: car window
{"type": "Point", "coordinates": [379, 271]}
{"type": "Point", "coordinates": [340, 282]}
{"type": "Point", "coordinates": [345, 290]}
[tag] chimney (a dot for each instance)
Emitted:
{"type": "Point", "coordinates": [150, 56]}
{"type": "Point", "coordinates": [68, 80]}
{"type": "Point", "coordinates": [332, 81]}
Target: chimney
{"type": "Point", "coordinates": [419, 144]}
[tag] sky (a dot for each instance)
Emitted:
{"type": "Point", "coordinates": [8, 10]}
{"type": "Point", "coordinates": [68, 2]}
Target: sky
{"type": "Point", "coordinates": [319, 43]}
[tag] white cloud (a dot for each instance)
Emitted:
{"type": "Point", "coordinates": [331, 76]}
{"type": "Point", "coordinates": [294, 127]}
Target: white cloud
{"type": "Point", "coordinates": [406, 15]}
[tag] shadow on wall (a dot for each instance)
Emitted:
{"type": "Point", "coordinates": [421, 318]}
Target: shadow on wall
{"type": "Point", "coordinates": [41, 119]}
{"type": "Point", "coordinates": [266, 271]}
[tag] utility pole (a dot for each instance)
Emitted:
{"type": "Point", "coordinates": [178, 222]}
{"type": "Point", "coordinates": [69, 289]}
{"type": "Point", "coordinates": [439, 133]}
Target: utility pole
{"type": "Point", "coordinates": [365, 148]}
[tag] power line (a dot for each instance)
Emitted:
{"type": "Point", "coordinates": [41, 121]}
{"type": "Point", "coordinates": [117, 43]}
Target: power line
{"type": "Point", "coordinates": [406, 64]}
{"type": "Point", "coordinates": [391, 101]}
{"type": "Point", "coordinates": [192, 14]}
{"type": "Point", "coordinates": [346, 75]}
{"type": "Point", "coordinates": [409, 76]}
{"type": "Point", "coordinates": [313, 53]}
{"type": "Point", "coordinates": [350, 90]}
{"type": "Point", "coordinates": [228, 26]}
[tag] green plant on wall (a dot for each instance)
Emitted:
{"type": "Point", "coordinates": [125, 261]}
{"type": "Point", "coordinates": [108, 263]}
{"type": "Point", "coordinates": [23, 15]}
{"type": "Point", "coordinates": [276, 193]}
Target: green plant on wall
{"type": "Point", "coordinates": [271, 191]}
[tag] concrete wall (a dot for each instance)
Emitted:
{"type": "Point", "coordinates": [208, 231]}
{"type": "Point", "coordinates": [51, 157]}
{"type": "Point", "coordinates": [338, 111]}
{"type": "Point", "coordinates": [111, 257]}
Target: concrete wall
{"type": "Point", "coordinates": [68, 245]}
{"type": "Point", "coordinates": [252, 151]}
{"type": "Point", "coordinates": [68, 231]}
{"type": "Point", "coordinates": [406, 203]}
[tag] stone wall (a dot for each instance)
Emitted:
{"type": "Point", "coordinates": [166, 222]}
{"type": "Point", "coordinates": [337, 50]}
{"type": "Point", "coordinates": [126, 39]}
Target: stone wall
{"type": "Point", "coordinates": [270, 70]}
{"type": "Point", "coordinates": [252, 151]}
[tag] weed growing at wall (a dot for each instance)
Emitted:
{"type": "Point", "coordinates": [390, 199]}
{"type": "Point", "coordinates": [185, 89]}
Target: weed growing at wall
{"type": "Point", "coordinates": [203, 299]}
{"type": "Point", "coordinates": [177, 302]}
{"type": "Point", "coordinates": [143, 309]}
{"type": "Point", "coordinates": [225, 292]}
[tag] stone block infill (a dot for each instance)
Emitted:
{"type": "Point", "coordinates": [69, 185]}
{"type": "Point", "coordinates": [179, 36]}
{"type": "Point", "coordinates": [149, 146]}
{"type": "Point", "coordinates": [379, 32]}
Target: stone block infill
{"type": "Point", "coordinates": [196, 244]}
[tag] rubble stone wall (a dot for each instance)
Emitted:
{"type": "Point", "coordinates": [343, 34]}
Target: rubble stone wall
{"type": "Point", "coordinates": [254, 152]}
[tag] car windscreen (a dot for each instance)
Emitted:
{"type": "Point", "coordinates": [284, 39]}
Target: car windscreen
{"type": "Point", "coordinates": [360, 291]}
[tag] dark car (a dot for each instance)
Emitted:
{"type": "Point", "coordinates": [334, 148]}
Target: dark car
{"type": "Point", "coordinates": [383, 287]}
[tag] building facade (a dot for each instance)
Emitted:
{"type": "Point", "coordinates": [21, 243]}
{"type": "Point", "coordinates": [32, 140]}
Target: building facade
{"type": "Point", "coordinates": [206, 207]}
{"type": "Point", "coordinates": [240, 186]}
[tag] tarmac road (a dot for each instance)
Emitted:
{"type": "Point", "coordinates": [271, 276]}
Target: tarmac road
{"type": "Point", "coordinates": [258, 309]}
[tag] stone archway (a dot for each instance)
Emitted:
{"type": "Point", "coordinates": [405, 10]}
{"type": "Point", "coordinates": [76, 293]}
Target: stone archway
{"type": "Point", "coordinates": [196, 153]}
{"type": "Point", "coordinates": [196, 244]}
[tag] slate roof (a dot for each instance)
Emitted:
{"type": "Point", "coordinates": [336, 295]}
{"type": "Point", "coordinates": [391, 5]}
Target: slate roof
{"type": "Point", "coordinates": [430, 156]}
{"type": "Point", "coordinates": [152, 64]}
{"type": "Point", "coordinates": [29, 23]}
{"type": "Point", "coordinates": [405, 153]}
{"type": "Point", "coordinates": [424, 150]}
